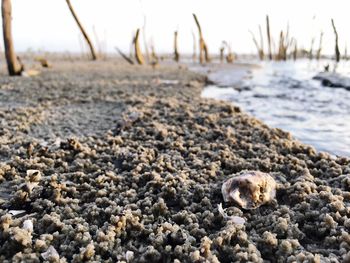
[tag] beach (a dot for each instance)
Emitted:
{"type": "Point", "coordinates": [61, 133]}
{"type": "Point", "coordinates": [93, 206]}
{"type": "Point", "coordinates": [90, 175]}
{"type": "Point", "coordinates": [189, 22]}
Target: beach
{"type": "Point", "coordinates": [132, 161]}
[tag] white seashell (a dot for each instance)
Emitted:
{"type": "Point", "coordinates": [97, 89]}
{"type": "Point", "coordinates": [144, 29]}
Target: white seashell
{"type": "Point", "coordinates": [235, 219]}
{"type": "Point", "coordinates": [17, 212]}
{"type": "Point", "coordinates": [50, 254]}
{"type": "Point", "coordinates": [250, 189]}
{"type": "Point", "coordinates": [34, 176]}
{"type": "Point", "coordinates": [129, 256]}
{"type": "Point", "coordinates": [28, 225]}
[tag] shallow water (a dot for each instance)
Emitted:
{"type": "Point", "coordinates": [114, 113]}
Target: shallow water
{"type": "Point", "coordinates": [284, 95]}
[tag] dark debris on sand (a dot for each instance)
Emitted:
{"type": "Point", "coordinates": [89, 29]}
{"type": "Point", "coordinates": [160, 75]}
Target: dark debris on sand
{"type": "Point", "coordinates": [132, 167]}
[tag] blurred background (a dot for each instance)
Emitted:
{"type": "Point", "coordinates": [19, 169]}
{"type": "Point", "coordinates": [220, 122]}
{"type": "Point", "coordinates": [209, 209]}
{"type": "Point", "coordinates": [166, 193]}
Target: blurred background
{"type": "Point", "coordinates": [42, 25]}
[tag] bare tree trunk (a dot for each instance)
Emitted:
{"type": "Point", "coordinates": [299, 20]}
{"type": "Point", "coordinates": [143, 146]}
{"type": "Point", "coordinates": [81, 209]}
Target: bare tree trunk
{"type": "Point", "coordinates": [318, 55]}
{"type": "Point", "coordinates": [280, 47]}
{"type": "Point", "coordinates": [154, 57]}
{"type": "Point", "coordinates": [261, 43]}
{"type": "Point", "coordinates": [194, 55]}
{"type": "Point", "coordinates": [229, 56]}
{"type": "Point", "coordinates": [268, 36]}
{"type": "Point", "coordinates": [148, 57]}
{"type": "Point", "coordinates": [131, 48]}
{"type": "Point", "coordinates": [176, 51]}
{"type": "Point", "coordinates": [206, 52]}
{"type": "Point", "coordinates": [222, 50]}
{"type": "Point", "coordinates": [311, 56]}
{"type": "Point", "coordinates": [346, 51]}
{"type": "Point", "coordinates": [14, 66]}
{"type": "Point", "coordinates": [260, 51]}
{"type": "Point", "coordinates": [295, 51]}
{"type": "Point", "coordinates": [337, 52]}
{"type": "Point", "coordinates": [87, 39]}
{"type": "Point", "coordinates": [138, 54]}
{"type": "Point", "coordinates": [203, 48]}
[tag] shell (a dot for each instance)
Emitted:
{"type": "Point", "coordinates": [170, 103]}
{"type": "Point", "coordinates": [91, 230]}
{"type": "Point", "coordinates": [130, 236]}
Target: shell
{"type": "Point", "coordinates": [250, 189]}
{"type": "Point", "coordinates": [28, 225]}
{"type": "Point", "coordinates": [235, 219]}
{"type": "Point", "coordinates": [51, 254]}
{"type": "Point", "coordinates": [33, 176]}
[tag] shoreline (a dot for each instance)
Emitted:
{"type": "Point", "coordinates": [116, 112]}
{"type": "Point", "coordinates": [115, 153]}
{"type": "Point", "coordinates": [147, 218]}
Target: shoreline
{"type": "Point", "coordinates": [141, 174]}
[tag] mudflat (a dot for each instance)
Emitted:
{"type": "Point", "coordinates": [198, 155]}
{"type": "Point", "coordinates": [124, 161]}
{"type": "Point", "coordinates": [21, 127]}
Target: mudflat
{"type": "Point", "coordinates": [131, 162]}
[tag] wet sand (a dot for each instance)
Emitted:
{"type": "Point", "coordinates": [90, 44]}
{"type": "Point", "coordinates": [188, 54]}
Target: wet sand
{"type": "Point", "coordinates": [132, 162]}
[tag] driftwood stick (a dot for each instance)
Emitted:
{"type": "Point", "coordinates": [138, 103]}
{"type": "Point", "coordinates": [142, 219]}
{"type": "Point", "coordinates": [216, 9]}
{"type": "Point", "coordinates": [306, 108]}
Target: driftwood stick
{"type": "Point", "coordinates": [194, 55]}
{"type": "Point", "coordinates": [318, 55]}
{"type": "Point", "coordinates": [14, 66]}
{"type": "Point", "coordinates": [261, 43]}
{"type": "Point", "coordinates": [346, 52]}
{"type": "Point", "coordinates": [260, 52]}
{"type": "Point", "coordinates": [229, 56]}
{"type": "Point", "coordinates": [145, 39]}
{"type": "Point", "coordinates": [87, 39]}
{"type": "Point", "coordinates": [268, 36]}
{"type": "Point", "coordinates": [337, 52]}
{"type": "Point", "coordinates": [203, 48]}
{"type": "Point", "coordinates": [154, 57]}
{"type": "Point", "coordinates": [222, 50]}
{"type": "Point", "coordinates": [311, 49]}
{"type": "Point", "coordinates": [138, 54]}
{"type": "Point", "coordinates": [176, 51]}
{"type": "Point", "coordinates": [295, 51]}
{"type": "Point", "coordinates": [280, 47]}
{"type": "Point", "coordinates": [124, 56]}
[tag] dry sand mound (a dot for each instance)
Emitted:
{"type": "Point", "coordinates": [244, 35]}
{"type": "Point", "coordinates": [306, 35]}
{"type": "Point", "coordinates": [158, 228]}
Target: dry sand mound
{"type": "Point", "coordinates": [136, 174]}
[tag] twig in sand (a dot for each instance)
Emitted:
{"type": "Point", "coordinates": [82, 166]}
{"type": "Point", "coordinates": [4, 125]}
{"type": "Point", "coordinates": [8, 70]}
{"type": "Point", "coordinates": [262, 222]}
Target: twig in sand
{"type": "Point", "coordinates": [268, 36]}
{"type": "Point", "coordinates": [295, 50]}
{"type": "Point", "coordinates": [222, 50]}
{"type": "Point", "coordinates": [259, 49]}
{"type": "Point", "coordinates": [194, 55]}
{"type": "Point", "coordinates": [154, 57]}
{"type": "Point", "coordinates": [145, 39]}
{"type": "Point", "coordinates": [318, 54]}
{"type": "Point", "coordinates": [138, 54]}
{"type": "Point", "coordinates": [261, 41]}
{"type": "Point", "coordinates": [337, 52]}
{"type": "Point", "coordinates": [229, 56]}
{"type": "Point", "coordinates": [44, 63]}
{"type": "Point", "coordinates": [346, 52]}
{"type": "Point", "coordinates": [176, 51]}
{"type": "Point", "coordinates": [203, 48]}
{"type": "Point", "coordinates": [87, 39]}
{"type": "Point", "coordinates": [311, 48]}
{"type": "Point", "coordinates": [129, 60]}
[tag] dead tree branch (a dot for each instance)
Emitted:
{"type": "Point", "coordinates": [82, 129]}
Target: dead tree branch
{"type": "Point", "coordinates": [129, 60]}
{"type": "Point", "coordinates": [268, 36]}
{"type": "Point", "coordinates": [87, 39]}
{"type": "Point", "coordinates": [337, 52]}
{"type": "Point", "coordinates": [203, 48]}
{"type": "Point", "coordinates": [318, 55]}
{"type": "Point", "coordinates": [145, 39]}
{"type": "Point", "coordinates": [311, 55]}
{"type": "Point", "coordinates": [260, 51]}
{"type": "Point", "coordinates": [176, 51]}
{"type": "Point", "coordinates": [138, 54]}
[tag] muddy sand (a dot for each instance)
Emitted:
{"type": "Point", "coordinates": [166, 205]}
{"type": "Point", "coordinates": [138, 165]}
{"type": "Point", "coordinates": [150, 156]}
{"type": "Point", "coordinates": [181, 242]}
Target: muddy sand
{"type": "Point", "coordinates": [131, 164]}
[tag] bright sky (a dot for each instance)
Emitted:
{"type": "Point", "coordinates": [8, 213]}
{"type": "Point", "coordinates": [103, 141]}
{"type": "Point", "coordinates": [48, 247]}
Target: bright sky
{"type": "Point", "coordinates": [47, 25]}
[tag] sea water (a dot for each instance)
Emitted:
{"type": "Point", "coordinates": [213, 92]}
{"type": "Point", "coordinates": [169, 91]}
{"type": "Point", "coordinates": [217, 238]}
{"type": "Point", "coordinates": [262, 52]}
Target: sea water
{"type": "Point", "coordinates": [285, 95]}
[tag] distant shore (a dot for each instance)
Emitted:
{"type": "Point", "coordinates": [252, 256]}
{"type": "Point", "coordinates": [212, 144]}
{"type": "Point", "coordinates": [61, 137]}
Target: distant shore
{"type": "Point", "coordinates": [132, 160]}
